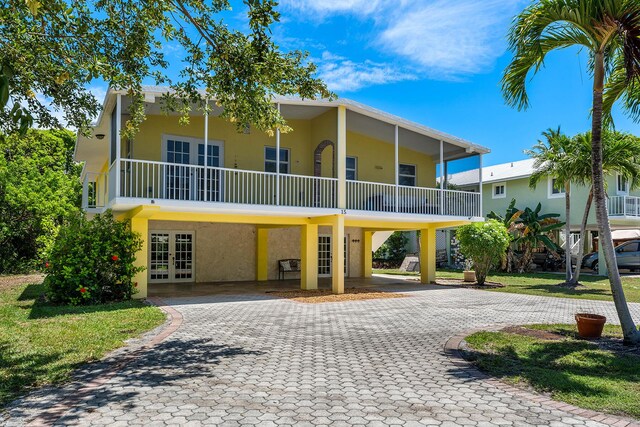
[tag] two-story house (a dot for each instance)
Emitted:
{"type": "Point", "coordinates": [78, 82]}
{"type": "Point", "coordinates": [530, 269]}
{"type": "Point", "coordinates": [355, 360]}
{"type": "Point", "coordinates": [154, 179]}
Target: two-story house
{"type": "Point", "coordinates": [216, 205]}
{"type": "Point", "coordinates": [503, 182]}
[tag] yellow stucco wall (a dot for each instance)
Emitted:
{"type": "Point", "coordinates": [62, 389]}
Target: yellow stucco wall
{"type": "Point", "coordinates": [246, 151]}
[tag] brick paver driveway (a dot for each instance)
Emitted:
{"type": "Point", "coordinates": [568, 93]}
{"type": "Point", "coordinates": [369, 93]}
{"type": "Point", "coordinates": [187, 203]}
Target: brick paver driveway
{"type": "Point", "coordinates": [261, 361]}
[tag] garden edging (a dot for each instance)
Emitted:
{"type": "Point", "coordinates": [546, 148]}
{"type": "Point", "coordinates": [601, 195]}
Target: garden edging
{"type": "Point", "coordinates": [454, 348]}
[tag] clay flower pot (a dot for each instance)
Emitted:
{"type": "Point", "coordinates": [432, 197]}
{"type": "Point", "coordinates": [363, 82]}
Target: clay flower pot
{"type": "Point", "coordinates": [590, 325]}
{"type": "Point", "coordinates": [469, 276]}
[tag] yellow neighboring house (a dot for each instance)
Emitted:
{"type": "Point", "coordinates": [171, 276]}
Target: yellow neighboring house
{"type": "Point", "coordinates": [216, 205]}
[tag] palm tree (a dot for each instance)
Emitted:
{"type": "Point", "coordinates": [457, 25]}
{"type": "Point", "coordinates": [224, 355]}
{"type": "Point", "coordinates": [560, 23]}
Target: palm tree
{"type": "Point", "coordinates": [609, 30]}
{"type": "Point", "coordinates": [550, 160]}
{"type": "Point", "coordinates": [533, 230]}
{"type": "Point", "coordinates": [620, 155]}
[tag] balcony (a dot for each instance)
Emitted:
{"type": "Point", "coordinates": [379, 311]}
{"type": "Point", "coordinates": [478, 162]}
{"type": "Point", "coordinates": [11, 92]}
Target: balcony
{"type": "Point", "coordinates": [158, 181]}
{"type": "Point", "coordinates": [624, 206]}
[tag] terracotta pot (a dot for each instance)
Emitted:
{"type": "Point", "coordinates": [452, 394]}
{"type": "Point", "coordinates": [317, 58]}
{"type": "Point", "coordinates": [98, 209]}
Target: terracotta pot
{"type": "Point", "coordinates": [590, 325]}
{"type": "Point", "coordinates": [469, 276]}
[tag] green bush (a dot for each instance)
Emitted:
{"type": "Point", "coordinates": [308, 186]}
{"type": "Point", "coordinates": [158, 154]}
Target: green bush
{"type": "Point", "coordinates": [484, 243]}
{"type": "Point", "coordinates": [394, 248]}
{"type": "Point", "coordinates": [92, 261]}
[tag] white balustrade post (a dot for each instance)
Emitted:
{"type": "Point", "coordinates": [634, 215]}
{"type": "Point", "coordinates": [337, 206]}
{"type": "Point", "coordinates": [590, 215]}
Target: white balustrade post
{"type": "Point", "coordinates": [118, 143]}
{"type": "Point", "coordinates": [480, 180]}
{"type": "Point", "coordinates": [206, 150]}
{"type": "Point", "coordinates": [397, 168]}
{"type": "Point", "coordinates": [278, 162]}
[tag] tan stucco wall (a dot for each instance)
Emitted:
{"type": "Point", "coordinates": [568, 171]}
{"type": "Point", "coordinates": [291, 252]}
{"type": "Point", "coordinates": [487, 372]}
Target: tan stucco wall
{"type": "Point", "coordinates": [227, 252]}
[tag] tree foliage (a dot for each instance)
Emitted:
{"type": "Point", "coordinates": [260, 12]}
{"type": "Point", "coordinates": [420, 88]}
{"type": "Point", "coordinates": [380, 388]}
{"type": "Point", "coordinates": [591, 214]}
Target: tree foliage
{"type": "Point", "coordinates": [56, 49]}
{"type": "Point", "coordinates": [39, 187]}
{"type": "Point", "coordinates": [484, 243]}
{"type": "Point", "coordinates": [92, 261]}
{"type": "Point", "coordinates": [394, 248]}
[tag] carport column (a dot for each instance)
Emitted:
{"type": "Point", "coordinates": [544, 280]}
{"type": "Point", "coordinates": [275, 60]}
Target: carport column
{"type": "Point", "coordinates": [337, 255]}
{"type": "Point", "coordinates": [367, 253]}
{"type": "Point", "coordinates": [427, 255]}
{"type": "Point", "coordinates": [141, 225]}
{"type": "Point", "coordinates": [341, 157]}
{"type": "Point", "coordinates": [309, 257]}
{"type": "Point", "coordinates": [262, 254]}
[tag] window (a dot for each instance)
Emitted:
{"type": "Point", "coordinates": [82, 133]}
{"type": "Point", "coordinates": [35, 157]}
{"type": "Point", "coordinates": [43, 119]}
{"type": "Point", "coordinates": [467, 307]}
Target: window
{"type": "Point", "coordinates": [407, 175]}
{"type": "Point", "coordinates": [555, 189]}
{"type": "Point", "coordinates": [629, 247]}
{"type": "Point", "coordinates": [270, 159]}
{"type": "Point", "coordinates": [213, 155]}
{"type": "Point", "coordinates": [352, 168]}
{"type": "Point", "coordinates": [178, 151]}
{"type": "Point", "coordinates": [499, 190]}
{"type": "Point", "coordinates": [622, 185]}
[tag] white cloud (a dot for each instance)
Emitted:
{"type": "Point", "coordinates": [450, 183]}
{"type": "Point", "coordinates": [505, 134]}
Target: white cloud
{"type": "Point", "coordinates": [447, 39]}
{"type": "Point", "coordinates": [343, 75]}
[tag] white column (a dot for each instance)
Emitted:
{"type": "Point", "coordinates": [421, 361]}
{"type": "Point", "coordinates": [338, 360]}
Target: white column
{"type": "Point", "coordinates": [206, 152]}
{"type": "Point", "coordinates": [480, 180]}
{"type": "Point", "coordinates": [118, 143]}
{"type": "Point", "coordinates": [397, 166]}
{"type": "Point", "coordinates": [278, 162]}
{"type": "Point", "coordinates": [441, 165]}
{"type": "Point", "coordinates": [341, 157]}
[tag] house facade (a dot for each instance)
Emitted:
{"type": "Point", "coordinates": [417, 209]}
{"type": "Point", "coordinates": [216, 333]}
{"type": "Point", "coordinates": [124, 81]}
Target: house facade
{"type": "Point", "coordinates": [504, 182]}
{"type": "Point", "coordinates": [215, 205]}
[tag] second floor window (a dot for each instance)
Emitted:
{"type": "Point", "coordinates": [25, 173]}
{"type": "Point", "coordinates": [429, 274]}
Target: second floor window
{"type": "Point", "coordinates": [407, 175]}
{"type": "Point", "coordinates": [270, 159]}
{"type": "Point", "coordinates": [213, 155]}
{"type": "Point", "coordinates": [352, 168]}
{"type": "Point", "coordinates": [622, 185]}
{"type": "Point", "coordinates": [556, 189]}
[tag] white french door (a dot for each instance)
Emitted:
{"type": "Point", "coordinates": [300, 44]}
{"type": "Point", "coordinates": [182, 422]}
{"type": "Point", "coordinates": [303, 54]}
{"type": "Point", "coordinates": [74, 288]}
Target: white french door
{"type": "Point", "coordinates": [171, 256]}
{"type": "Point", "coordinates": [324, 255]}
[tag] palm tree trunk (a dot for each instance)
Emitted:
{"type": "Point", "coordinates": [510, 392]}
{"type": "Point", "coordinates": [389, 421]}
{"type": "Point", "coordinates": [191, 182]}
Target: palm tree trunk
{"type": "Point", "coordinates": [567, 233]}
{"type": "Point", "coordinates": [583, 237]}
{"type": "Point", "coordinates": [631, 334]}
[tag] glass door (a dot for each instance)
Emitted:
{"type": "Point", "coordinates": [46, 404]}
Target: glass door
{"type": "Point", "coordinates": [324, 255]}
{"type": "Point", "coordinates": [171, 257]}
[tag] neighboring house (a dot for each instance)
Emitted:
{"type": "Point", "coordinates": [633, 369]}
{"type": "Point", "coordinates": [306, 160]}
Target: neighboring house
{"type": "Point", "coordinates": [216, 205]}
{"type": "Point", "coordinates": [504, 182]}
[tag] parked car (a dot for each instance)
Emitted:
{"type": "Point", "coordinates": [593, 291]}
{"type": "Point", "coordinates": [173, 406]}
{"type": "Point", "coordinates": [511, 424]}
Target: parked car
{"type": "Point", "coordinates": [627, 256]}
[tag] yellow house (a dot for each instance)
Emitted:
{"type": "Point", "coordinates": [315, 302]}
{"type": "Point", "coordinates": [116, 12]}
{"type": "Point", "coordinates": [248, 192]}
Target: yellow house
{"type": "Point", "coordinates": [214, 205]}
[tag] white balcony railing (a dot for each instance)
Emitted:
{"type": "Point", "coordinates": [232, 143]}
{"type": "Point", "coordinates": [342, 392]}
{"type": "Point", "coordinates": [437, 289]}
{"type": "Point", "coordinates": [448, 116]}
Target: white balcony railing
{"type": "Point", "coordinates": [624, 206]}
{"type": "Point", "coordinates": [167, 181]}
{"type": "Point", "coordinates": [377, 197]}
{"type": "Point", "coordinates": [157, 180]}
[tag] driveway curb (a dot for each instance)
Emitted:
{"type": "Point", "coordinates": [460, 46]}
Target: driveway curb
{"type": "Point", "coordinates": [173, 322]}
{"type": "Point", "coordinates": [454, 349]}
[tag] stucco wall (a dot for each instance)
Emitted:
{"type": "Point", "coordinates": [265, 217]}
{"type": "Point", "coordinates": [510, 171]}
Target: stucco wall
{"type": "Point", "coordinates": [227, 252]}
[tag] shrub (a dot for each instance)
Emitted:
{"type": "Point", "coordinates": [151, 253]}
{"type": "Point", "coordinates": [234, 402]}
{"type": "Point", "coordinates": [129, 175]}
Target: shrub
{"type": "Point", "coordinates": [393, 249]}
{"type": "Point", "coordinates": [484, 243]}
{"type": "Point", "coordinates": [92, 261]}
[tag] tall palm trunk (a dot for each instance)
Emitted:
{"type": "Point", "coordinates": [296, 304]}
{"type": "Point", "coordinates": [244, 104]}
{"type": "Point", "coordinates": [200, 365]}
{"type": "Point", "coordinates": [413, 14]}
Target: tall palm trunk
{"type": "Point", "coordinates": [567, 233]}
{"type": "Point", "coordinates": [583, 237]}
{"type": "Point", "coordinates": [631, 334]}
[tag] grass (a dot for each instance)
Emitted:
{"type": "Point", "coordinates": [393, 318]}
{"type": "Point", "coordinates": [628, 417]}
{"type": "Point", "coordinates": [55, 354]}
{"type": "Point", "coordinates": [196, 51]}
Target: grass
{"type": "Point", "coordinates": [571, 370]}
{"type": "Point", "coordinates": [544, 284]}
{"type": "Point", "coordinates": [42, 344]}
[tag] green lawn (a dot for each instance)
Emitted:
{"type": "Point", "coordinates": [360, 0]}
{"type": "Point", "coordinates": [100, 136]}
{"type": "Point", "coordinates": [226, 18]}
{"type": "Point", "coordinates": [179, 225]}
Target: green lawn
{"type": "Point", "coordinates": [571, 370]}
{"type": "Point", "coordinates": [595, 287]}
{"type": "Point", "coordinates": [41, 344]}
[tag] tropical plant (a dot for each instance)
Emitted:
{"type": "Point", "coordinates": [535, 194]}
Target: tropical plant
{"type": "Point", "coordinates": [508, 220]}
{"type": "Point", "coordinates": [484, 243]}
{"type": "Point", "coordinates": [93, 261]}
{"type": "Point", "coordinates": [533, 231]}
{"type": "Point", "coordinates": [620, 155]}
{"type": "Point", "coordinates": [551, 160]}
{"type": "Point", "coordinates": [394, 248]}
{"type": "Point", "coordinates": [58, 49]}
{"type": "Point", "coordinates": [609, 31]}
{"type": "Point", "coordinates": [39, 188]}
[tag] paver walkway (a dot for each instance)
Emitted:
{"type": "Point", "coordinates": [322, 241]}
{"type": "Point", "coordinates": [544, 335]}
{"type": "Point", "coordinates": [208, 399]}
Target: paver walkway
{"type": "Point", "coordinates": [253, 360]}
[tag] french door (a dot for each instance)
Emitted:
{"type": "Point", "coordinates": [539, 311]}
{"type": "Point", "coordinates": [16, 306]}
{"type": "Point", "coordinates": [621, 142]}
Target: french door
{"type": "Point", "coordinates": [171, 256]}
{"type": "Point", "coordinates": [324, 255]}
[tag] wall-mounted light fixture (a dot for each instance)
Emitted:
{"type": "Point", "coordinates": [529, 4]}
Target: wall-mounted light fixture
{"type": "Point", "coordinates": [378, 167]}
{"type": "Point", "coordinates": [100, 135]}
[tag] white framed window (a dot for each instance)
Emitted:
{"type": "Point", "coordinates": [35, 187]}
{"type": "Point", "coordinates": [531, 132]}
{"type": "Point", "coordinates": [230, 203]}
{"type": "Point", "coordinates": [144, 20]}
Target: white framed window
{"type": "Point", "coordinates": [270, 160]}
{"type": "Point", "coordinates": [499, 190]}
{"type": "Point", "coordinates": [190, 151]}
{"type": "Point", "coordinates": [622, 185]}
{"type": "Point", "coordinates": [554, 189]}
{"type": "Point", "coordinates": [352, 168]}
{"type": "Point", "coordinates": [407, 175]}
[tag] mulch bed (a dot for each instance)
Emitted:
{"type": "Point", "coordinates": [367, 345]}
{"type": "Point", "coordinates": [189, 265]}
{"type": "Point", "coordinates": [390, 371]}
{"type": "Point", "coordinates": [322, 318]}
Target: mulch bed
{"type": "Point", "coordinates": [320, 296]}
{"type": "Point", "coordinates": [463, 284]}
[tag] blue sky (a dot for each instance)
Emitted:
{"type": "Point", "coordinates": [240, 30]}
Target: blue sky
{"type": "Point", "coordinates": [436, 62]}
